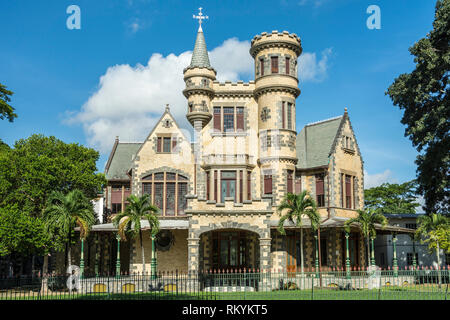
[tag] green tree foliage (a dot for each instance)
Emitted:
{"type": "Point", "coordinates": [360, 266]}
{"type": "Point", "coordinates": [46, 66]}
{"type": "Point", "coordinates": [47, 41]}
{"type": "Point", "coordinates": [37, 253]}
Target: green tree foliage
{"type": "Point", "coordinates": [39, 165]}
{"type": "Point", "coordinates": [296, 206]}
{"type": "Point", "coordinates": [65, 212]}
{"type": "Point", "coordinates": [6, 111]}
{"type": "Point", "coordinates": [424, 95]}
{"type": "Point", "coordinates": [392, 198]}
{"type": "Point", "coordinates": [366, 221]}
{"type": "Point", "coordinates": [129, 222]}
{"type": "Point", "coordinates": [21, 233]}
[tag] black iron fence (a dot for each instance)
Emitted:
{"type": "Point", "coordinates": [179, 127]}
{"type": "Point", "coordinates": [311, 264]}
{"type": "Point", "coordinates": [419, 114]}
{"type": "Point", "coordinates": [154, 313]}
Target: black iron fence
{"type": "Point", "coordinates": [370, 284]}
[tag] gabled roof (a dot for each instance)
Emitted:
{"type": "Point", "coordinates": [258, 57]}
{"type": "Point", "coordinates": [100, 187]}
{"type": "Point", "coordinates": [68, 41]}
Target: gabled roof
{"type": "Point", "coordinates": [316, 141]}
{"type": "Point", "coordinates": [166, 112]}
{"type": "Point", "coordinates": [121, 160]}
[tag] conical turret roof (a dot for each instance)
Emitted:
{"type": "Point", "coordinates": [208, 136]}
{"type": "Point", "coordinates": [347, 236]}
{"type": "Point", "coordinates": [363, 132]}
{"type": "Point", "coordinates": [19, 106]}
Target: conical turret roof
{"type": "Point", "coordinates": [200, 55]}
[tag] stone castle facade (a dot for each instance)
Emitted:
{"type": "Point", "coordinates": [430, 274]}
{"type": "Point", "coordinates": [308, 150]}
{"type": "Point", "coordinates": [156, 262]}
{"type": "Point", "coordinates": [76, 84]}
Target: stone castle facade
{"type": "Point", "coordinates": [219, 193]}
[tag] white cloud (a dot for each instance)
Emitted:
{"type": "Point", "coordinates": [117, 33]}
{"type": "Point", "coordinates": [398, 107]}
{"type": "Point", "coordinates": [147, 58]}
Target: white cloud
{"type": "Point", "coordinates": [311, 69]}
{"type": "Point", "coordinates": [129, 100]}
{"type": "Point", "coordinates": [232, 59]}
{"type": "Point", "coordinates": [374, 180]}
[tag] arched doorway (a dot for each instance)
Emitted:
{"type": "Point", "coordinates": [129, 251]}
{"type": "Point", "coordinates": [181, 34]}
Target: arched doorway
{"type": "Point", "coordinates": [229, 249]}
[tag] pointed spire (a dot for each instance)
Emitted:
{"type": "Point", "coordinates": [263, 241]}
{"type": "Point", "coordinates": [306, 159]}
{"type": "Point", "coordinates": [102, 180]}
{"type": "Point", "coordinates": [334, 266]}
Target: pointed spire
{"type": "Point", "coordinates": [200, 56]}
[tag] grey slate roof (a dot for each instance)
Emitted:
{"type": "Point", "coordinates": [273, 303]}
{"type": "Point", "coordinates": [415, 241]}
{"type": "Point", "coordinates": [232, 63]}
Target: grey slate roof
{"type": "Point", "coordinates": [200, 56]}
{"type": "Point", "coordinates": [315, 141]}
{"type": "Point", "coordinates": [121, 160]}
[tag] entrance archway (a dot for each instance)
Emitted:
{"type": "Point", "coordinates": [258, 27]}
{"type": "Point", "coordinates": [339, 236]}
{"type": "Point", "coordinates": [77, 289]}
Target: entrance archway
{"type": "Point", "coordinates": [229, 250]}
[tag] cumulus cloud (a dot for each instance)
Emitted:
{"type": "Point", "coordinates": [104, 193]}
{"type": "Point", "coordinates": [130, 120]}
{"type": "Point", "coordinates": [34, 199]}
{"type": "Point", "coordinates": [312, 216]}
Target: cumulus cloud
{"type": "Point", "coordinates": [129, 100]}
{"type": "Point", "coordinates": [312, 69]}
{"type": "Point", "coordinates": [232, 59]}
{"type": "Point", "coordinates": [376, 179]}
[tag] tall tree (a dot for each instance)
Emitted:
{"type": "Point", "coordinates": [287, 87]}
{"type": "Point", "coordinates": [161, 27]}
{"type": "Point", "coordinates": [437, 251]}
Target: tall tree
{"type": "Point", "coordinates": [36, 166]}
{"type": "Point", "coordinates": [424, 95]}
{"type": "Point", "coordinates": [366, 221]}
{"type": "Point", "coordinates": [64, 212]}
{"type": "Point", "coordinates": [434, 229]}
{"type": "Point", "coordinates": [392, 198]}
{"type": "Point", "coordinates": [296, 206]}
{"type": "Point", "coordinates": [6, 111]}
{"type": "Point", "coordinates": [129, 221]}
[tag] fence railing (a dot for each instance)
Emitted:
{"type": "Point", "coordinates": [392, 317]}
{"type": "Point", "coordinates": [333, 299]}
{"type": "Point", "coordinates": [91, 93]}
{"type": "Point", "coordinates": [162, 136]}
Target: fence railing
{"type": "Point", "coordinates": [238, 284]}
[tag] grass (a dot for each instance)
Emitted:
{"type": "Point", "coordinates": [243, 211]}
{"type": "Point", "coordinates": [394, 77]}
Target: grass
{"type": "Point", "coordinates": [417, 292]}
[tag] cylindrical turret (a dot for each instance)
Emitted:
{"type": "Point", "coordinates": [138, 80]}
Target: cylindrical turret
{"type": "Point", "coordinates": [199, 77]}
{"type": "Point", "coordinates": [276, 88]}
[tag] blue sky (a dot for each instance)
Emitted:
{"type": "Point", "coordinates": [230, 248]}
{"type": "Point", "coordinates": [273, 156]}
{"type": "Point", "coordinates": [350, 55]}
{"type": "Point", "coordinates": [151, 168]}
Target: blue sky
{"type": "Point", "coordinates": [114, 75]}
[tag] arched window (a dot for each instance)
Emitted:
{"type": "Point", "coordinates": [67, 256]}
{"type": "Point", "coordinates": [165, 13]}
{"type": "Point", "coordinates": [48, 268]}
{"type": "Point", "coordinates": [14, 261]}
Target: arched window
{"type": "Point", "coordinates": [168, 192]}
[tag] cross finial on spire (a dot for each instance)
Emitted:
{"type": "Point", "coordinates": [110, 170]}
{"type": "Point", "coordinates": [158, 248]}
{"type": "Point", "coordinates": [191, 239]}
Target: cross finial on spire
{"type": "Point", "coordinates": [200, 17]}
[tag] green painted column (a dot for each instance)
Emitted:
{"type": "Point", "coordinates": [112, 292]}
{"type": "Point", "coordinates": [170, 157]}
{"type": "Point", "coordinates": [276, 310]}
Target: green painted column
{"type": "Point", "coordinates": [347, 257]}
{"type": "Point", "coordinates": [372, 254]}
{"type": "Point", "coordinates": [118, 258]}
{"type": "Point", "coordinates": [153, 263]}
{"type": "Point", "coordinates": [395, 265]}
{"type": "Point", "coordinates": [414, 262]}
{"type": "Point", "coordinates": [82, 259]}
{"type": "Point", "coordinates": [317, 257]}
{"type": "Point", "coordinates": [96, 255]}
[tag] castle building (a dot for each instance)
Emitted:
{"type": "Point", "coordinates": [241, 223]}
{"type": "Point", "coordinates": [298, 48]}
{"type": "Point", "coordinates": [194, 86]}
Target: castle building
{"type": "Point", "coordinates": [218, 194]}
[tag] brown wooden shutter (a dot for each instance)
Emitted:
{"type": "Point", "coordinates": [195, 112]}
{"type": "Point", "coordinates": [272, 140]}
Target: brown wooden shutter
{"type": "Point", "coordinates": [249, 193]}
{"type": "Point", "coordinates": [158, 146]}
{"type": "Point", "coordinates": [298, 185]}
{"type": "Point", "coordinates": [319, 185]}
{"type": "Point", "coordinates": [268, 184]}
{"type": "Point", "coordinates": [261, 66]}
{"type": "Point", "coordinates": [289, 181]}
{"type": "Point", "coordinates": [217, 119]}
{"type": "Point", "coordinates": [283, 125]}
{"type": "Point", "coordinates": [215, 185]}
{"type": "Point", "coordinates": [241, 186]}
{"type": "Point", "coordinates": [207, 186]}
{"type": "Point", "coordinates": [174, 143]}
{"type": "Point", "coordinates": [274, 64]}
{"type": "Point", "coordinates": [287, 65]}
{"type": "Point", "coordinates": [240, 118]}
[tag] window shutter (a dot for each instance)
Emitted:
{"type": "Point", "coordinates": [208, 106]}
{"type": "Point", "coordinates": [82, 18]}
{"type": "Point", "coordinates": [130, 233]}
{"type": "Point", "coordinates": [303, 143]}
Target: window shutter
{"type": "Point", "coordinates": [240, 118]}
{"type": "Point", "coordinates": [261, 63]}
{"type": "Point", "coordinates": [287, 65]}
{"type": "Point", "coordinates": [207, 186]}
{"type": "Point", "coordinates": [289, 181]}
{"type": "Point", "coordinates": [158, 146]}
{"type": "Point", "coordinates": [217, 119]}
{"type": "Point", "coordinates": [283, 125]}
{"type": "Point", "coordinates": [174, 143]}
{"type": "Point", "coordinates": [249, 193]}
{"type": "Point", "coordinates": [298, 185]}
{"type": "Point", "coordinates": [274, 64]}
{"type": "Point", "coordinates": [268, 184]}
{"type": "Point", "coordinates": [319, 185]}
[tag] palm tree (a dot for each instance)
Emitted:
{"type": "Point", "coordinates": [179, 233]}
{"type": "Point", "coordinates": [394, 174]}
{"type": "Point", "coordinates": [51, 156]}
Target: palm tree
{"type": "Point", "coordinates": [366, 220]}
{"type": "Point", "coordinates": [64, 212]}
{"type": "Point", "coordinates": [298, 206]}
{"type": "Point", "coordinates": [128, 222]}
{"type": "Point", "coordinates": [428, 226]}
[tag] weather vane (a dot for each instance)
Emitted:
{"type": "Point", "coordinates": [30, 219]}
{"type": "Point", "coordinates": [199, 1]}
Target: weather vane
{"type": "Point", "coordinates": [200, 17]}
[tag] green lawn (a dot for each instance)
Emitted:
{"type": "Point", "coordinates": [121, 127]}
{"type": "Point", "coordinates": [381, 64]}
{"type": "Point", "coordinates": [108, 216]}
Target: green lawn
{"type": "Point", "coordinates": [387, 293]}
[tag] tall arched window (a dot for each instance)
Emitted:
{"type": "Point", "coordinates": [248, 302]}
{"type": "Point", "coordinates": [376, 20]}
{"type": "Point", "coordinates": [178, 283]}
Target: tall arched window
{"type": "Point", "coordinates": [168, 192]}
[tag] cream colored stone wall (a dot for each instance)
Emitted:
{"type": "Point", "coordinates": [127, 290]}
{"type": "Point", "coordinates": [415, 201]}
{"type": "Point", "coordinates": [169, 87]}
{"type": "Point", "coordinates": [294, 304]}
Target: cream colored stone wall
{"type": "Point", "coordinates": [173, 259]}
{"type": "Point", "coordinates": [351, 164]}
